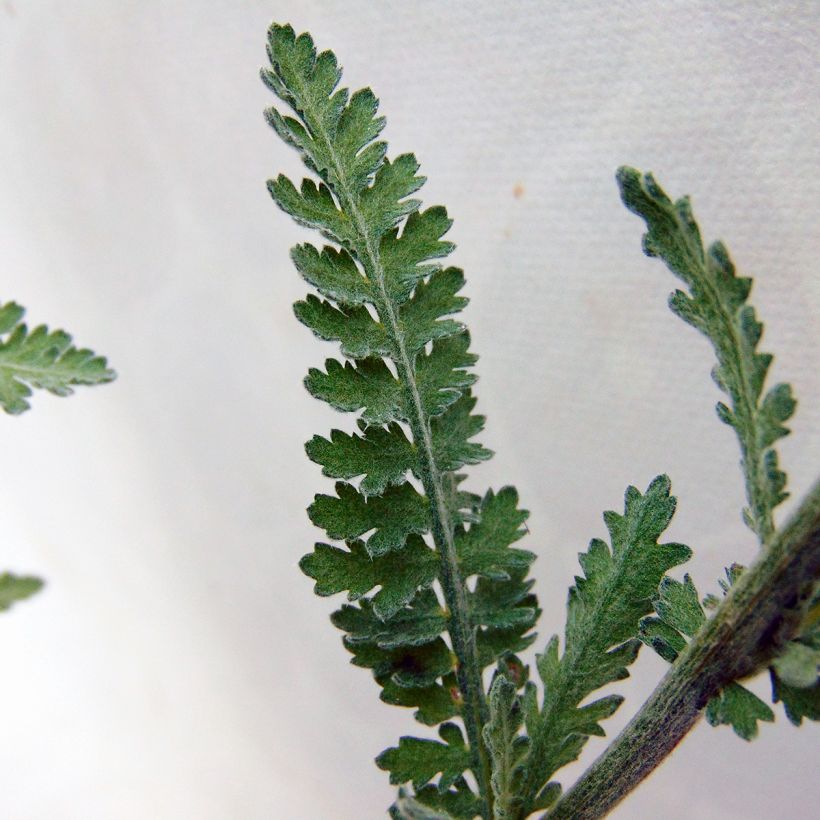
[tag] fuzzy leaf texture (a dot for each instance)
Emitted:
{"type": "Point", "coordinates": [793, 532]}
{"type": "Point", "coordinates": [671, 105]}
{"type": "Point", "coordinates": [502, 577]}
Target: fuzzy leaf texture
{"type": "Point", "coordinates": [41, 358]}
{"type": "Point", "coordinates": [507, 747]}
{"type": "Point", "coordinates": [717, 305]}
{"type": "Point", "coordinates": [795, 674]}
{"type": "Point", "coordinates": [679, 615]}
{"type": "Point", "coordinates": [407, 537]}
{"type": "Point", "coordinates": [604, 609]}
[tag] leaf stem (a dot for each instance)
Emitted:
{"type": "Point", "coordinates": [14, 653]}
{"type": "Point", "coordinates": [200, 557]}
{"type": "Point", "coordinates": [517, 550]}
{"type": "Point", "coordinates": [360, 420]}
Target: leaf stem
{"type": "Point", "coordinates": [759, 615]}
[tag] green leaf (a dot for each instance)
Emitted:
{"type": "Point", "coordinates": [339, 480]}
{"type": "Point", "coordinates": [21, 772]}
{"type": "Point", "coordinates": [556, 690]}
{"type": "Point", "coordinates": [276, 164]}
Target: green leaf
{"type": "Point", "coordinates": [394, 516]}
{"type": "Point", "coordinates": [386, 202]}
{"type": "Point", "coordinates": [360, 335]}
{"type": "Point", "coordinates": [484, 548]}
{"type": "Point", "coordinates": [419, 623]}
{"type": "Point", "coordinates": [661, 637]}
{"type": "Point", "coordinates": [433, 299]}
{"type": "Point", "coordinates": [391, 307]}
{"type": "Point", "coordinates": [41, 359]}
{"type": "Point", "coordinates": [15, 588]}
{"type": "Point", "coordinates": [419, 761]}
{"type": "Point", "coordinates": [334, 274]}
{"type": "Point", "coordinates": [680, 614]}
{"type": "Point", "coordinates": [604, 610]}
{"type": "Point", "coordinates": [716, 305]}
{"type": "Point", "coordinates": [399, 574]}
{"type": "Point", "coordinates": [739, 708]}
{"type": "Point", "coordinates": [436, 703]}
{"type": "Point", "coordinates": [678, 606]}
{"type": "Point", "coordinates": [459, 802]}
{"type": "Point", "coordinates": [507, 748]}
{"type": "Point", "coordinates": [506, 611]}
{"type": "Point", "coordinates": [451, 432]}
{"type": "Point", "coordinates": [313, 206]}
{"type": "Point", "coordinates": [799, 702]}
{"type": "Point", "coordinates": [406, 257]}
{"type": "Point", "coordinates": [368, 385]}
{"type": "Point", "coordinates": [441, 374]}
{"type": "Point", "coordinates": [383, 455]}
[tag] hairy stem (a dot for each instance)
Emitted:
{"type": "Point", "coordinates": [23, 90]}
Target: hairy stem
{"type": "Point", "coordinates": [759, 615]}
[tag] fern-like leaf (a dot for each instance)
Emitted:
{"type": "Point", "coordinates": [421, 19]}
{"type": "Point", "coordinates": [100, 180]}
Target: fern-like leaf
{"type": "Point", "coordinates": [604, 609]}
{"type": "Point", "coordinates": [387, 300]}
{"type": "Point", "coordinates": [717, 305]}
{"type": "Point", "coordinates": [41, 358]}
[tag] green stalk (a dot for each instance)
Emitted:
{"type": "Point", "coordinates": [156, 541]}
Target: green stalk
{"type": "Point", "coordinates": [761, 613]}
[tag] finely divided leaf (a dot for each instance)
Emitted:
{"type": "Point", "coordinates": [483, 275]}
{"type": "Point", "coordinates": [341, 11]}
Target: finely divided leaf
{"type": "Point", "coordinates": [399, 574]}
{"type": "Point", "coordinates": [334, 274]}
{"type": "Point", "coordinates": [394, 515]}
{"type": "Point", "coordinates": [739, 708]}
{"type": "Point", "coordinates": [383, 455]}
{"type": "Point", "coordinates": [484, 547]}
{"type": "Point", "coordinates": [451, 433]}
{"type": "Point", "coordinates": [458, 802]}
{"type": "Point", "coordinates": [441, 374]}
{"type": "Point", "coordinates": [717, 306]}
{"type": "Point", "coordinates": [604, 609]}
{"type": "Point", "coordinates": [41, 359]}
{"type": "Point", "coordinates": [406, 257]}
{"type": "Point", "coordinates": [360, 335]}
{"type": "Point", "coordinates": [420, 761]}
{"type": "Point", "coordinates": [433, 299]}
{"type": "Point", "coordinates": [389, 304]}
{"type": "Point", "coordinates": [368, 385]}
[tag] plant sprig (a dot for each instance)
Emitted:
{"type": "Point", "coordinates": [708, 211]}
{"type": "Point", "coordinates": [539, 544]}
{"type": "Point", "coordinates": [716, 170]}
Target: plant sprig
{"type": "Point", "coordinates": [438, 592]}
{"type": "Point", "coordinates": [387, 301]}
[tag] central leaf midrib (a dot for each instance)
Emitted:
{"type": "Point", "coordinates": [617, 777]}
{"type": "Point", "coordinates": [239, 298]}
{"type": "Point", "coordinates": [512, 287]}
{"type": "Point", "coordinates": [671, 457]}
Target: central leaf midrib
{"type": "Point", "coordinates": [460, 628]}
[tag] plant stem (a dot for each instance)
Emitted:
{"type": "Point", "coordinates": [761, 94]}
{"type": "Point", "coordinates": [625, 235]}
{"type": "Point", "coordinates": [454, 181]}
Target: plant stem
{"type": "Point", "coordinates": [760, 614]}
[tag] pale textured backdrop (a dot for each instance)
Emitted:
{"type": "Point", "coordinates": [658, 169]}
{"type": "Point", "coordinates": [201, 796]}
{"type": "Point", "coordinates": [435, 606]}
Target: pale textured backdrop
{"type": "Point", "coordinates": [178, 665]}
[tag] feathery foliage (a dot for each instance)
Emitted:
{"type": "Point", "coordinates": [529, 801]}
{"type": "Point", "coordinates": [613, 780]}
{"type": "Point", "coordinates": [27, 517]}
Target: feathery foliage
{"type": "Point", "coordinates": [437, 589]}
{"type": "Point", "coordinates": [44, 359]}
{"type": "Point", "coordinates": [41, 359]}
{"type": "Point", "coordinates": [604, 609]}
{"type": "Point", "coordinates": [717, 305]}
{"type": "Point", "coordinates": [405, 528]}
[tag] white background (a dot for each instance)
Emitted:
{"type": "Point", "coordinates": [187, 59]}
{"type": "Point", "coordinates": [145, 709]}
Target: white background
{"type": "Point", "coordinates": [178, 664]}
